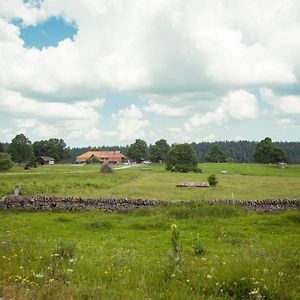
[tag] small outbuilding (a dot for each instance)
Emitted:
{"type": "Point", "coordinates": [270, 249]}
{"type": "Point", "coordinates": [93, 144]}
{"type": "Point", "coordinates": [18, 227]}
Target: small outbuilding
{"type": "Point", "coordinates": [45, 160]}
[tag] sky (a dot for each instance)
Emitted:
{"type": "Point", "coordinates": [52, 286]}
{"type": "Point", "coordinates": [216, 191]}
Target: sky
{"type": "Point", "coordinates": [106, 72]}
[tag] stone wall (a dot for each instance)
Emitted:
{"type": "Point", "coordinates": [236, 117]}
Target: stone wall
{"type": "Point", "coordinates": [78, 203]}
{"type": "Point", "coordinates": [73, 203]}
{"type": "Point", "coordinates": [267, 205]}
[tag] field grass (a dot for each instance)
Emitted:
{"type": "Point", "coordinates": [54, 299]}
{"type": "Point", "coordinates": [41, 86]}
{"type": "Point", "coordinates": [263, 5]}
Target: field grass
{"type": "Point", "coordinates": [242, 181]}
{"type": "Point", "coordinates": [223, 253]}
{"type": "Point", "coordinates": [96, 255]}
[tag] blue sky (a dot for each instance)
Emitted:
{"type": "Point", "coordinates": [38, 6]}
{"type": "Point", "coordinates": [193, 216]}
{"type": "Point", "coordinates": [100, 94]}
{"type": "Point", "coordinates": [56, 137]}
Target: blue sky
{"type": "Point", "coordinates": [108, 72]}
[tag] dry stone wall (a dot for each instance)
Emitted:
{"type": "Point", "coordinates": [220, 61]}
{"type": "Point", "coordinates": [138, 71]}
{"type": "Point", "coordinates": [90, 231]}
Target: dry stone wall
{"type": "Point", "coordinates": [74, 203]}
{"type": "Point", "coordinates": [126, 204]}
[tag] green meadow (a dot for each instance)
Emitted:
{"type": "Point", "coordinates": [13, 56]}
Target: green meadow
{"type": "Point", "coordinates": [245, 181]}
{"type": "Point", "coordinates": [222, 252]}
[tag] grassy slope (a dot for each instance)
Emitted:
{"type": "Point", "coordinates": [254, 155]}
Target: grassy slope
{"type": "Point", "coordinates": [246, 181]}
{"type": "Point", "coordinates": [125, 256]}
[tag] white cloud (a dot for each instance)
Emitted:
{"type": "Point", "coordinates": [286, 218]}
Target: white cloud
{"type": "Point", "coordinates": [169, 53]}
{"type": "Point", "coordinates": [166, 110]}
{"type": "Point", "coordinates": [155, 45]}
{"type": "Point", "coordinates": [289, 104]}
{"type": "Point", "coordinates": [16, 104]}
{"type": "Point", "coordinates": [131, 124]}
{"type": "Point", "coordinates": [239, 105]}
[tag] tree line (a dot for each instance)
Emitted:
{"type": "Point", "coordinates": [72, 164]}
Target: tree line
{"type": "Point", "coordinates": [22, 150]}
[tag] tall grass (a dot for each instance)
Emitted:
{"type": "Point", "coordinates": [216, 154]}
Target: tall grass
{"type": "Point", "coordinates": [95, 255]}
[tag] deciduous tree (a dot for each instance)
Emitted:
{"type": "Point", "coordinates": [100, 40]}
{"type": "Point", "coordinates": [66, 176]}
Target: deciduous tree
{"type": "Point", "coordinates": [267, 152]}
{"type": "Point", "coordinates": [5, 162]}
{"type": "Point", "coordinates": [215, 155]}
{"type": "Point", "coordinates": [159, 150]}
{"type": "Point", "coordinates": [20, 149]}
{"type": "Point", "coordinates": [138, 150]}
{"type": "Point", "coordinates": [182, 158]}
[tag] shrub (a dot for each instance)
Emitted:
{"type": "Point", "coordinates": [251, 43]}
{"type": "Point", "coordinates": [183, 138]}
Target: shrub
{"type": "Point", "coordinates": [182, 158]}
{"type": "Point", "coordinates": [212, 180]}
{"type": "Point", "coordinates": [5, 162]}
{"type": "Point", "coordinates": [198, 247]}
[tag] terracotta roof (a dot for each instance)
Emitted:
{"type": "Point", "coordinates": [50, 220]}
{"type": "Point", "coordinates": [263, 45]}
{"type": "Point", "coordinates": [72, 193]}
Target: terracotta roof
{"type": "Point", "coordinates": [116, 155]}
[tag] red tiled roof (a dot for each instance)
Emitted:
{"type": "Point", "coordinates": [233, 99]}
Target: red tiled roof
{"type": "Point", "coordinates": [101, 155]}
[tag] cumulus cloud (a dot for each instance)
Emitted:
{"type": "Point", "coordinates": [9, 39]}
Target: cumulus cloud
{"type": "Point", "coordinates": [289, 104]}
{"type": "Point", "coordinates": [166, 110]}
{"type": "Point", "coordinates": [166, 52]}
{"type": "Point", "coordinates": [164, 45]}
{"type": "Point", "coordinates": [131, 124]}
{"type": "Point", "coordinates": [239, 105]}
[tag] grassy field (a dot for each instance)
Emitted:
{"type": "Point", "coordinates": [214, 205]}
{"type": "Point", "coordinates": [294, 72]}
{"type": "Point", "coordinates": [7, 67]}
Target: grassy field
{"type": "Point", "coordinates": [222, 253]}
{"type": "Point", "coordinates": [245, 181]}
{"type": "Point", "coordinates": [95, 255]}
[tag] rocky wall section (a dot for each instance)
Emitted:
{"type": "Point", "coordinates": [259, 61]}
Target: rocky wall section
{"type": "Point", "coordinates": [74, 203]}
{"type": "Point", "coordinates": [267, 205]}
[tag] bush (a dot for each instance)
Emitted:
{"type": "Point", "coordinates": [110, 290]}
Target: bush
{"type": "Point", "coordinates": [182, 158]}
{"type": "Point", "coordinates": [5, 162]}
{"type": "Point", "coordinates": [212, 180]}
{"type": "Point", "coordinates": [198, 247]}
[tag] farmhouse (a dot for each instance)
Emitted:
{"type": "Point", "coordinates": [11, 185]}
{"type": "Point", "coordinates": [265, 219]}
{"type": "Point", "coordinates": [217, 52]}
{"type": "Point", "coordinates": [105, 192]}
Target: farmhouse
{"type": "Point", "coordinates": [45, 160]}
{"type": "Point", "coordinates": [102, 156]}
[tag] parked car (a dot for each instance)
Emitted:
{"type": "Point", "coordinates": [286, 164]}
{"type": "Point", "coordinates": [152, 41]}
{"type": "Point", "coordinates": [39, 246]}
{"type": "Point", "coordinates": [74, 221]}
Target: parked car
{"type": "Point", "coordinates": [147, 162]}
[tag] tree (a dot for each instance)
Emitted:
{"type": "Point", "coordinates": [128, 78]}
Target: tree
{"type": "Point", "coordinates": [5, 162]}
{"type": "Point", "coordinates": [215, 155]}
{"type": "Point", "coordinates": [2, 150]}
{"type": "Point", "coordinates": [267, 152]}
{"type": "Point", "coordinates": [182, 158]}
{"type": "Point", "coordinates": [138, 150]}
{"type": "Point", "coordinates": [20, 149]}
{"type": "Point", "coordinates": [53, 147]}
{"type": "Point", "coordinates": [159, 150]}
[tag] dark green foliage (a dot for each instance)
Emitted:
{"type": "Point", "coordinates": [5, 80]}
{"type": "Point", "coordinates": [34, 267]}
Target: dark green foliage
{"type": "Point", "coordinates": [215, 155]}
{"type": "Point", "coordinates": [242, 151]}
{"type": "Point", "coordinates": [5, 162]}
{"type": "Point", "coordinates": [92, 160]}
{"type": "Point", "coordinates": [53, 147]}
{"type": "Point", "coordinates": [138, 150]}
{"type": "Point", "coordinates": [159, 151]}
{"type": "Point", "coordinates": [20, 149]}
{"type": "Point", "coordinates": [182, 158]}
{"type": "Point", "coordinates": [212, 180]}
{"type": "Point", "coordinates": [198, 247]}
{"type": "Point", "coordinates": [2, 150]}
{"type": "Point", "coordinates": [267, 152]}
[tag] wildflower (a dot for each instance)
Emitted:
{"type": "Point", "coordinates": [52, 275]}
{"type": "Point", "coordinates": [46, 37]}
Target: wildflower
{"type": "Point", "coordinates": [280, 274]}
{"type": "Point", "coordinates": [105, 272]}
{"type": "Point", "coordinates": [21, 267]}
{"type": "Point", "coordinates": [39, 275]}
{"type": "Point", "coordinates": [71, 260]}
{"type": "Point", "coordinates": [208, 276]}
{"type": "Point", "coordinates": [173, 226]}
{"type": "Point", "coordinates": [56, 254]}
{"type": "Point", "coordinates": [254, 292]}
{"type": "Point", "coordinates": [70, 270]}
{"type": "Point", "coordinates": [51, 280]}
{"type": "Point", "coordinates": [4, 257]}
{"type": "Point", "coordinates": [187, 280]}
